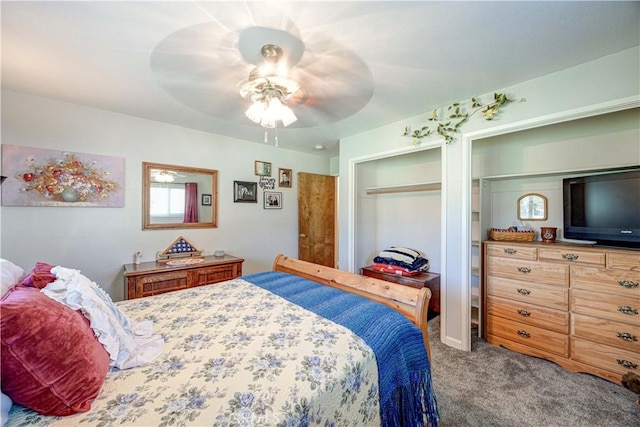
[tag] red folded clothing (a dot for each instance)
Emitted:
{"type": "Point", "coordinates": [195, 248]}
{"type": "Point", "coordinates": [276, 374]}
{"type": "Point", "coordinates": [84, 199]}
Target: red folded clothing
{"type": "Point", "coordinates": [394, 269]}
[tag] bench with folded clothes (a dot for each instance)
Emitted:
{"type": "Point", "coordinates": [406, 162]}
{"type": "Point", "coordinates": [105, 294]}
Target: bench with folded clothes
{"type": "Point", "coordinates": [402, 261]}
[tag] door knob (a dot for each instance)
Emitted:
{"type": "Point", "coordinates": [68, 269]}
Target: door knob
{"type": "Point", "coordinates": [303, 235]}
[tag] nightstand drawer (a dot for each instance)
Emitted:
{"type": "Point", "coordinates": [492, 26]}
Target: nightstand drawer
{"type": "Point", "coordinates": [616, 334]}
{"type": "Point", "coordinates": [532, 336]}
{"type": "Point", "coordinates": [555, 320]}
{"type": "Point", "coordinates": [547, 296]}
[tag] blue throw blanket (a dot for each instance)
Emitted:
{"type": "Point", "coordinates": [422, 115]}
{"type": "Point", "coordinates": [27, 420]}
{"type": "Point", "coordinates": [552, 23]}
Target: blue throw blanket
{"type": "Point", "coordinates": [406, 394]}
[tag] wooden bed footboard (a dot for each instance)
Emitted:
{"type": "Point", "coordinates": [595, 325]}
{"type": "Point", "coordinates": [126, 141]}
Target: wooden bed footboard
{"type": "Point", "coordinates": [411, 302]}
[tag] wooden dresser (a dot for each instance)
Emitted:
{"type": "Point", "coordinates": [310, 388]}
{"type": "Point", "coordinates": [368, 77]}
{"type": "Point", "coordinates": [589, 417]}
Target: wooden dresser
{"type": "Point", "coordinates": [153, 278]}
{"type": "Point", "coordinates": [573, 304]}
{"type": "Point", "coordinates": [429, 280]}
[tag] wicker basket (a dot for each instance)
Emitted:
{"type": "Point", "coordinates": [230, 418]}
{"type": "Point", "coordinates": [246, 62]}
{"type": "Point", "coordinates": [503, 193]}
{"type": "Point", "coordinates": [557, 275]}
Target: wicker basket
{"type": "Point", "coordinates": [510, 235]}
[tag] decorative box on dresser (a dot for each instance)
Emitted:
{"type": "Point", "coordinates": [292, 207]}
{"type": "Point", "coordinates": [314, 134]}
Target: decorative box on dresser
{"type": "Point", "coordinates": [153, 278]}
{"type": "Point", "coordinates": [576, 305]}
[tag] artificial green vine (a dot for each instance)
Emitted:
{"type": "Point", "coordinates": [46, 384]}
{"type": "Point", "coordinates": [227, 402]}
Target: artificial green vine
{"type": "Point", "coordinates": [449, 126]}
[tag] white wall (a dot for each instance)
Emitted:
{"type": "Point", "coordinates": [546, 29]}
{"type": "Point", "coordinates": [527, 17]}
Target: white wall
{"type": "Point", "coordinates": [99, 241]}
{"type": "Point", "coordinates": [599, 86]}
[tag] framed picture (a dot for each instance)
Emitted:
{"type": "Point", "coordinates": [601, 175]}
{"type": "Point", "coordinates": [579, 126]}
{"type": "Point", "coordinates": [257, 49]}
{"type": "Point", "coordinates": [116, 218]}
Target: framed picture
{"type": "Point", "coordinates": [43, 177]}
{"type": "Point", "coordinates": [263, 168]}
{"type": "Point", "coordinates": [272, 200]}
{"type": "Point", "coordinates": [244, 191]}
{"type": "Point", "coordinates": [206, 200]}
{"type": "Point", "coordinates": [284, 178]}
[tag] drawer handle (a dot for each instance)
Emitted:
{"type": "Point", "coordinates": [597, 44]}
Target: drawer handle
{"type": "Point", "coordinates": [626, 336]}
{"type": "Point", "coordinates": [524, 270]}
{"type": "Point", "coordinates": [524, 313]}
{"type": "Point", "coordinates": [570, 257]}
{"type": "Point", "coordinates": [628, 284]}
{"type": "Point", "coordinates": [628, 310]}
{"type": "Point", "coordinates": [627, 364]}
{"type": "Point", "coordinates": [510, 251]}
{"type": "Point", "coordinates": [524, 334]}
{"type": "Point", "coordinates": [524, 291]}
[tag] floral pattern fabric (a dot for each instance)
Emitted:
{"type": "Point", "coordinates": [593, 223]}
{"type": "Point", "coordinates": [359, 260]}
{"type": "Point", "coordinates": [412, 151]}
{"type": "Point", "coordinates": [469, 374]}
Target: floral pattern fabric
{"type": "Point", "coordinates": [235, 355]}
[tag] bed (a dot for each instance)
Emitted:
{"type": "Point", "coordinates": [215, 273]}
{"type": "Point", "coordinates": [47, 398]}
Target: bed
{"type": "Point", "coordinates": [300, 345]}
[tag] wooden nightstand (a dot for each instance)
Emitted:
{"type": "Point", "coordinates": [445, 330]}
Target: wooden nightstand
{"type": "Point", "coordinates": [153, 278]}
{"type": "Point", "coordinates": [429, 280]}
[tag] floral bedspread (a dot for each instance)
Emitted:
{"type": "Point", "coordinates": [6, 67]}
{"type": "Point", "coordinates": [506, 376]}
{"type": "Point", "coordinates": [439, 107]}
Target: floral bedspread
{"type": "Point", "coordinates": [235, 354]}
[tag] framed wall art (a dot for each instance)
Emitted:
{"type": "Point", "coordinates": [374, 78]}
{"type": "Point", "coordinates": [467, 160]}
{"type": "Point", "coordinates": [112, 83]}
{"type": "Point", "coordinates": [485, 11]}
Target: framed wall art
{"type": "Point", "coordinates": [285, 176]}
{"type": "Point", "coordinates": [42, 177]}
{"type": "Point", "coordinates": [245, 192]}
{"type": "Point", "coordinates": [262, 168]}
{"type": "Point", "coordinates": [206, 200]}
{"type": "Point", "coordinates": [272, 200]}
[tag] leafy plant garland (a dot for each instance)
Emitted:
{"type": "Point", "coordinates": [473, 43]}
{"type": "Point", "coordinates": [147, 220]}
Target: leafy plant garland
{"type": "Point", "coordinates": [449, 126]}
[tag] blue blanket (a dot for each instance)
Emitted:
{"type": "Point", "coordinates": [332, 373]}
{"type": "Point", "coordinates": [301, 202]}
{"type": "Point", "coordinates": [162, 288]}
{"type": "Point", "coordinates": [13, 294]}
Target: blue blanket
{"type": "Point", "coordinates": [406, 394]}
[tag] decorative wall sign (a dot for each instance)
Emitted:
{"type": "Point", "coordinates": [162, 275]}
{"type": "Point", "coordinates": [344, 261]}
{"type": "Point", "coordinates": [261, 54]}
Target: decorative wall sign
{"type": "Point", "coordinates": [41, 177]}
{"type": "Point", "coordinates": [272, 200]}
{"type": "Point", "coordinates": [267, 183]}
{"type": "Point", "coordinates": [244, 191]}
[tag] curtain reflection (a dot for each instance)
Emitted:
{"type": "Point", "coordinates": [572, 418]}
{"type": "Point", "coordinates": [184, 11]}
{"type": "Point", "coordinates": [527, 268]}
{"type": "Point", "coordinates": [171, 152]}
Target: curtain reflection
{"type": "Point", "coordinates": [191, 202]}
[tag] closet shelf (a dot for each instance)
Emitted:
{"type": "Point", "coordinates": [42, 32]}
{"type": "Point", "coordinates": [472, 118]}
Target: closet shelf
{"type": "Point", "coordinates": [404, 188]}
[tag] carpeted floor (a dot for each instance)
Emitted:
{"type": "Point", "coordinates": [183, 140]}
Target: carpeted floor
{"type": "Point", "coordinates": [493, 386]}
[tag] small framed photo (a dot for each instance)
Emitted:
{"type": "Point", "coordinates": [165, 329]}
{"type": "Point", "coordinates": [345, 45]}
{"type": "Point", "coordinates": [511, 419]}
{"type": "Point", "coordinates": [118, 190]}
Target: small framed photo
{"type": "Point", "coordinates": [246, 192]}
{"type": "Point", "coordinates": [272, 200]}
{"type": "Point", "coordinates": [284, 178]}
{"type": "Point", "coordinates": [263, 168]}
{"type": "Point", "coordinates": [206, 200]}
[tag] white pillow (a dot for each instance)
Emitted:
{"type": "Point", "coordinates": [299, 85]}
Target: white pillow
{"type": "Point", "coordinates": [11, 274]}
{"type": "Point", "coordinates": [128, 343]}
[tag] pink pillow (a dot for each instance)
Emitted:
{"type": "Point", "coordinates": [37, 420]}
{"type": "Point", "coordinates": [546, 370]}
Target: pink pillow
{"type": "Point", "coordinates": [51, 360]}
{"type": "Point", "coordinates": [39, 277]}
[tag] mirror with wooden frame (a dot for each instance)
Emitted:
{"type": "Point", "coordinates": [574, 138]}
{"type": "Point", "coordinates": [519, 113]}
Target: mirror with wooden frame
{"type": "Point", "coordinates": [532, 207]}
{"type": "Point", "coordinates": [178, 197]}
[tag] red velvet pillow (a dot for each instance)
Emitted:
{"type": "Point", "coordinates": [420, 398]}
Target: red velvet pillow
{"type": "Point", "coordinates": [51, 360]}
{"type": "Point", "coordinates": [39, 277]}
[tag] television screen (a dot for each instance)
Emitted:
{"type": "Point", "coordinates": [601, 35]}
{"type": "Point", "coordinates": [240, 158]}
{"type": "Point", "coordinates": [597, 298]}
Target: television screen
{"type": "Point", "coordinates": [604, 208]}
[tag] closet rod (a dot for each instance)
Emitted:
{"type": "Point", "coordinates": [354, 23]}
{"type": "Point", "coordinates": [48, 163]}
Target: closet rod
{"type": "Point", "coordinates": [405, 189]}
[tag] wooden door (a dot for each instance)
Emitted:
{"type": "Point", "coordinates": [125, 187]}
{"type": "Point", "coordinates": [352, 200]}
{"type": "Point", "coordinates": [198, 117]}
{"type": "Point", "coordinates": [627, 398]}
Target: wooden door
{"type": "Point", "coordinates": [317, 218]}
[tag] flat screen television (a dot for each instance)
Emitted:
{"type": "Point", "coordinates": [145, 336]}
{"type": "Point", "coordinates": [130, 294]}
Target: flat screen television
{"type": "Point", "coordinates": [604, 208]}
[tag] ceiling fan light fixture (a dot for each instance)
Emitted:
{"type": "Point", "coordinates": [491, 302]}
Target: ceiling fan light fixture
{"type": "Point", "coordinates": [163, 176]}
{"type": "Point", "coordinates": [268, 87]}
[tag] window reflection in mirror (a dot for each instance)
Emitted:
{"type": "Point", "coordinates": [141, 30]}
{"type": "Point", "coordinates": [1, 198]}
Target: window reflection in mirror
{"type": "Point", "coordinates": [532, 207]}
{"type": "Point", "coordinates": [173, 197]}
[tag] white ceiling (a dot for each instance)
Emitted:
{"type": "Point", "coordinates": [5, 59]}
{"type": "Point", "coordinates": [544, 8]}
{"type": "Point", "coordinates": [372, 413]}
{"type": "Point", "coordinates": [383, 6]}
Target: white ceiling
{"type": "Point", "coordinates": [364, 64]}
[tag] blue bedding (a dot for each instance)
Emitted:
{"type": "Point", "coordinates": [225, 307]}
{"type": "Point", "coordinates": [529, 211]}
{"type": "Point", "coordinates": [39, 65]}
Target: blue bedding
{"type": "Point", "coordinates": [406, 393]}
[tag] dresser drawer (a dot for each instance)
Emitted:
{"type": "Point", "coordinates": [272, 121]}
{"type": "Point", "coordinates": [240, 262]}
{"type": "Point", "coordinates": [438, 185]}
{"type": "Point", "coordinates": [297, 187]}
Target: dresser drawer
{"type": "Point", "coordinates": [606, 357]}
{"type": "Point", "coordinates": [573, 256]}
{"type": "Point", "coordinates": [620, 282]}
{"type": "Point", "coordinates": [209, 275]}
{"type": "Point", "coordinates": [531, 293]}
{"type": "Point", "coordinates": [512, 251]}
{"type": "Point", "coordinates": [530, 314]}
{"type": "Point", "coordinates": [160, 283]}
{"type": "Point", "coordinates": [529, 335]}
{"type": "Point", "coordinates": [625, 261]}
{"type": "Point", "coordinates": [616, 334]}
{"type": "Point", "coordinates": [531, 271]}
{"type": "Point", "coordinates": [612, 307]}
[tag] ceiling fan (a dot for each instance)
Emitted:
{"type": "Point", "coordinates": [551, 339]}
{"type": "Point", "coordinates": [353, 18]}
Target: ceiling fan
{"type": "Point", "coordinates": [164, 176]}
{"type": "Point", "coordinates": [204, 66]}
